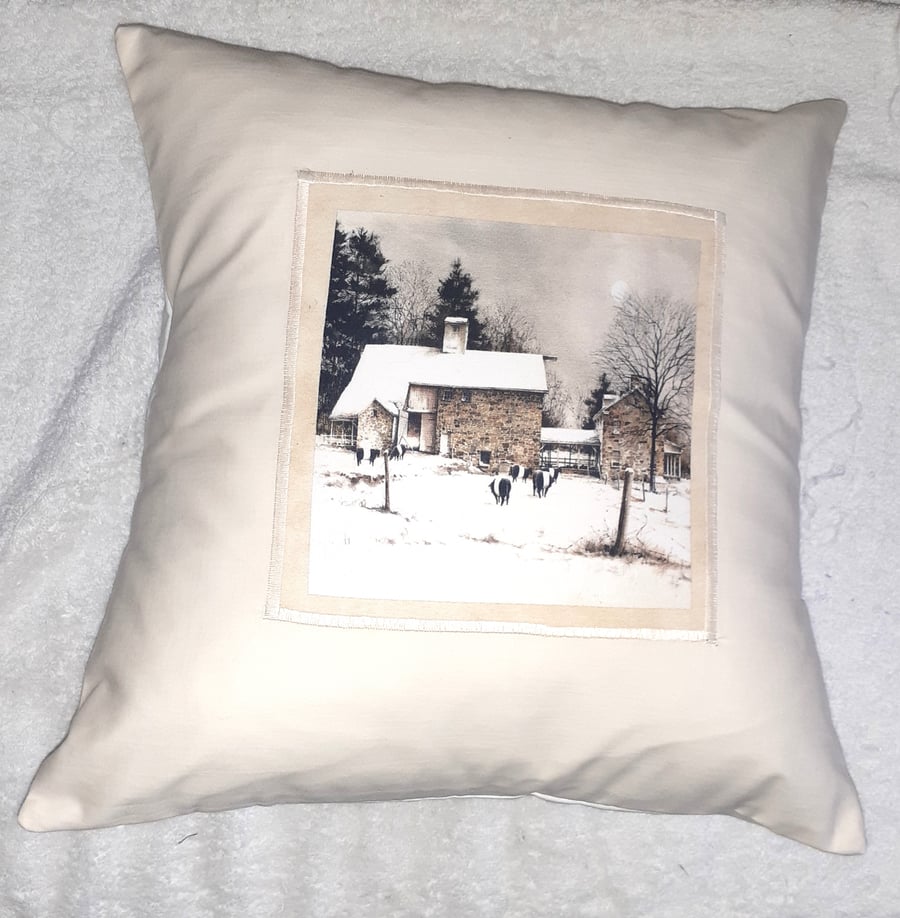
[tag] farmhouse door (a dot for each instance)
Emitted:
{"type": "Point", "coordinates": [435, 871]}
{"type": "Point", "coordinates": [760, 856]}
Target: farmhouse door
{"type": "Point", "coordinates": [429, 429]}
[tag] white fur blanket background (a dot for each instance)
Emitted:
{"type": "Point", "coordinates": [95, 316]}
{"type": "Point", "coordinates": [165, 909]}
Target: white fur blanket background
{"type": "Point", "coordinates": [80, 314]}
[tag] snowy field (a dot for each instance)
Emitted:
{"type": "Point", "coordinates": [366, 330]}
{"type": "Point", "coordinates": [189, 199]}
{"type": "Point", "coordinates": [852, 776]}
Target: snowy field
{"type": "Point", "coordinates": [446, 538]}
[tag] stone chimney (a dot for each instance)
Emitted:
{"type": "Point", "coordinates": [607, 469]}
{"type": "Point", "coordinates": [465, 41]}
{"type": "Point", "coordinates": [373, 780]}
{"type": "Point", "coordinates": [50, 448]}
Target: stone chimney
{"type": "Point", "coordinates": [609, 400]}
{"type": "Point", "coordinates": [456, 335]}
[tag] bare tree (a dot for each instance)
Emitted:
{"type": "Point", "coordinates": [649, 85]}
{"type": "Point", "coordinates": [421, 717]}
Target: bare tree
{"type": "Point", "coordinates": [557, 410]}
{"type": "Point", "coordinates": [507, 328]}
{"type": "Point", "coordinates": [650, 349]}
{"type": "Point", "coordinates": [405, 318]}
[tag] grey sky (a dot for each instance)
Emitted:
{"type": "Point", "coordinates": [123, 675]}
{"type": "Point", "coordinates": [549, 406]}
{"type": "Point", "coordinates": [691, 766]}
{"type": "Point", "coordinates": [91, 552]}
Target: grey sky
{"type": "Point", "coordinates": [559, 276]}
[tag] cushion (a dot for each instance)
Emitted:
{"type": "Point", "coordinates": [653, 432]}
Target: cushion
{"type": "Point", "coordinates": [471, 462]}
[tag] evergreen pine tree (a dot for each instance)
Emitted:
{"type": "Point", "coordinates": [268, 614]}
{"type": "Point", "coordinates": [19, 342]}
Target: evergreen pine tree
{"type": "Point", "coordinates": [358, 296]}
{"type": "Point", "coordinates": [456, 297]}
{"type": "Point", "coordinates": [594, 402]}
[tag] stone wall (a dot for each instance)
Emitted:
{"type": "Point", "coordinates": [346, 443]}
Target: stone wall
{"type": "Point", "coordinates": [508, 424]}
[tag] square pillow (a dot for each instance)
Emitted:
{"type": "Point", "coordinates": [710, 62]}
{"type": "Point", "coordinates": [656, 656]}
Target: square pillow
{"type": "Point", "coordinates": [471, 464]}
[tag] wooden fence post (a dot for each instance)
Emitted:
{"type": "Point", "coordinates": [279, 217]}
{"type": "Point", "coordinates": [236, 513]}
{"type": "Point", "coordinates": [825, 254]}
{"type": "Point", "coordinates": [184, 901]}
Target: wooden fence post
{"type": "Point", "coordinates": [619, 547]}
{"type": "Point", "coordinates": [387, 481]}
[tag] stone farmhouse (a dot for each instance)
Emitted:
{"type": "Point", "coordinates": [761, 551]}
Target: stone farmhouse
{"type": "Point", "coordinates": [482, 406]}
{"type": "Point", "coordinates": [623, 428]}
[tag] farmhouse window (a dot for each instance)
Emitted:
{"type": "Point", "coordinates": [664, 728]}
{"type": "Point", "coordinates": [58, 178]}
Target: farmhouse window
{"type": "Point", "coordinates": [615, 459]}
{"type": "Point", "coordinates": [465, 395]}
{"type": "Point", "coordinates": [446, 395]}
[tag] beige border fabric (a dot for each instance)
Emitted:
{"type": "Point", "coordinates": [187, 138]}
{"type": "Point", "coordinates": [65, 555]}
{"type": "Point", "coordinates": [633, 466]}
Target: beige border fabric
{"type": "Point", "coordinates": [320, 199]}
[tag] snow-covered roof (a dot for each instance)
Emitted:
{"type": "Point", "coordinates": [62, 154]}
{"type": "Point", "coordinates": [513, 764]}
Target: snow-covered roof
{"type": "Point", "coordinates": [385, 372]}
{"type": "Point", "coordinates": [570, 436]}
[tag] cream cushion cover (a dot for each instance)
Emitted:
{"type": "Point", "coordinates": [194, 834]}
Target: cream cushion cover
{"type": "Point", "coordinates": [193, 700]}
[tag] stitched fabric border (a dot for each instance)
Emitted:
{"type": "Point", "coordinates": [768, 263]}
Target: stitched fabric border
{"type": "Point", "coordinates": [273, 606]}
{"type": "Point", "coordinates": [273, 592]}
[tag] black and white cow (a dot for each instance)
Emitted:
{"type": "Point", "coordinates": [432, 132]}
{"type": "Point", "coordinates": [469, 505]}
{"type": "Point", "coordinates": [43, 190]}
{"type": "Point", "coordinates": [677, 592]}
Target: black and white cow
{"type": "Point", "coordinates": [540, 483]}
{"type": "Point", "coordinates": [501, 486]}
{"type": "Point", "coordinates": [514, 473]}
{"type": "Point", "coordinates": [398, 451]}
{"type": "Point", "coordinates": [526, 473]}
{"type": "Point", "coordinates": [366, 451]}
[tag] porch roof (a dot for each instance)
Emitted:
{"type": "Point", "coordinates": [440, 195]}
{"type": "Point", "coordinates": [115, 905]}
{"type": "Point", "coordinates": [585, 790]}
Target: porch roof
{"type": "Point", "coordinates": [569, 436]}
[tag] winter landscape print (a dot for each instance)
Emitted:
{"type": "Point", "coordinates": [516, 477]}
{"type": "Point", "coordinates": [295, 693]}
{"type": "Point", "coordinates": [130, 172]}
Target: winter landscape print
{"type": "Point", "coordinates": [504, 421]}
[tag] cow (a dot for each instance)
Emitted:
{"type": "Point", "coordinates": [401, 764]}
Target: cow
{"type": "Point", "coordinates": [553, 472]}
{"type": "Point", "coordinates": [526, 473]}
{"type": "Point", "coordinates": [398, 451]}
{"type": "Point", "coordinates": [373, 455]}
{"type": "Point", "coordinates": [541, 483]}
{"type": "Point", "coordinates": [501, 486]}
{"type": "Point", "coordinates": [514, 473]}
{"type": "Point", "coordinates": [363, 451]}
